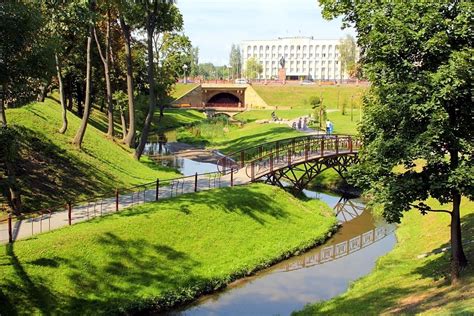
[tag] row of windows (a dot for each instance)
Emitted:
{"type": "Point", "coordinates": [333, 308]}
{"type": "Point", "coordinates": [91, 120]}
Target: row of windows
{"type": "Point", "coordinates": [290, 56]}
{"type": "Point", "coordinates": [304, 70]}
{"type": "Point", "coordinates": [292, 47]}
{"type": "Point", "coordinates": [292, 62]}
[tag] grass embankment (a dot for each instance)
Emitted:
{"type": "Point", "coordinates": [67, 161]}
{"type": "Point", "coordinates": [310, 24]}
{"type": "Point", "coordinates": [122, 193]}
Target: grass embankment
{"type": "Point", "coordinates": [174, 118]}
{"type": "Point", "coordinates": [406, 282]}
{"type": "Point", "coordinates": [160, 253]}
{"type": "Point", "coordinates": [229, 138]}
{"type": "Point", "coordinates": [51, 170]}
{"type": "Point", "coordinates": [293, 101]}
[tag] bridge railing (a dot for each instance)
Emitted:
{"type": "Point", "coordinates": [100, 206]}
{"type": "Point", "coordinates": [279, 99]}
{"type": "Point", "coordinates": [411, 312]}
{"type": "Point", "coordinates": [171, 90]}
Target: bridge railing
{"type": "Point", "coordinates": [269, 155]}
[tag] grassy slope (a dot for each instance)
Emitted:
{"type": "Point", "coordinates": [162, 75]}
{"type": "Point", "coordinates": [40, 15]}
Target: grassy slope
{"type": "Point", "coordinates": [404, 283]}
{"type": "Point", "coordinates": [163, 252]}
{"type": "Point", "coordinates": [174, 118]}
{"type": "Point", "coordinates": [297, 97]}
{"type": "Point", "coordinates": [53, 170]}
{"type": "Point", "coordinates": [233, 138]}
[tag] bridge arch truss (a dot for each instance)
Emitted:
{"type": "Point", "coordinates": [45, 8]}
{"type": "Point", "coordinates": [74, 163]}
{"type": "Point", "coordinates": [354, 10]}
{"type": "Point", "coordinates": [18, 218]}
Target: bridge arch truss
{"type": "Point", "coordinates": [296, 160]}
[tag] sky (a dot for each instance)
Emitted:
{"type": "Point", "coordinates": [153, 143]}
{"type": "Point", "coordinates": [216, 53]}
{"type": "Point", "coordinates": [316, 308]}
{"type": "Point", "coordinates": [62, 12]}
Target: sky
{"type": "Point", "coordinates": [214, 25]}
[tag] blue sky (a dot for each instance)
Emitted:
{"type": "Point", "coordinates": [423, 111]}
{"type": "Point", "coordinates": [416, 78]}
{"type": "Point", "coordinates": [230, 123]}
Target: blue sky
{"type": "Point", "coordinates": [214, 25]}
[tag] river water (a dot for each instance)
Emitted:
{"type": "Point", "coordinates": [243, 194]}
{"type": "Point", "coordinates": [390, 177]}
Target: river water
{"type": "Point", "coordinates": [319, 274]}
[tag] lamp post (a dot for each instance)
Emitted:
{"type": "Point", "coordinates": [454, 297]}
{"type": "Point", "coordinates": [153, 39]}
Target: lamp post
{"type": "Point", "coordinates": [185, 67]}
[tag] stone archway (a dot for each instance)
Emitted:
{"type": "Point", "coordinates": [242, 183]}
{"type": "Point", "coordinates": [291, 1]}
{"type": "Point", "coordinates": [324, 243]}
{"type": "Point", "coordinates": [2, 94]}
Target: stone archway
{"type": "Point", "coordinates": [223, 99]}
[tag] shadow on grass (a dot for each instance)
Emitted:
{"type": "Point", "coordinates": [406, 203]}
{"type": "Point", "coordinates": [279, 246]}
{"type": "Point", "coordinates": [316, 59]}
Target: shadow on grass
{"type": "Point", "coordinates": [32, 291]}
{"type": "Point", "coordinates": [243, 200]}
{"type": "Point", "coordinates": [128, 268]}
{"type": "Point", "coordinates": [48, 175]}
{"type": "Point", "coordinates": [414, 299]}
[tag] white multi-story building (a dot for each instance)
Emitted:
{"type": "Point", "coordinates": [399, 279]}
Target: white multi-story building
{"type": "Point", "coordinates": [305, 57]}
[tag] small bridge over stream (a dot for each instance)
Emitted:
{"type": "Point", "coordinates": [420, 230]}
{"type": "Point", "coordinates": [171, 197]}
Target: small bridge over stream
{"type": "Point", "coordinates": [294, 160]}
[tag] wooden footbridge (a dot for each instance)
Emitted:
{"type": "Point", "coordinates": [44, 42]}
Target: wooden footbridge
{"type": "Point", "coordinates": [294, 160]}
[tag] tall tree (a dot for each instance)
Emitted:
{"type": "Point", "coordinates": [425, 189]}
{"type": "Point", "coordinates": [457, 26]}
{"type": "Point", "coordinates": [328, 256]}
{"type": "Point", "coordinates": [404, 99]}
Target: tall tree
{"type": "Point", "coordinates": [126, 20]}
{"type": "Point", "coordinates": [87, 104]}
{"type": "Point", "coordinates": [23, 59]}
{"type": "Point", "coordinates": [418, 131]}
{"type": "Point", "coordinates": [194, 62]}
{"type": "Point", "coordinates": [347, 56]}
{"type": "Point", "coordinates": [160, 17]}
{"type": "Point", "coordinates": [253, 68]}
{"type": "Point", "coordinates": [235, 60]}
{"type": "Point", "coordinates": [105, 58]}
{"type": "Point", "coordinates": [172, 51]}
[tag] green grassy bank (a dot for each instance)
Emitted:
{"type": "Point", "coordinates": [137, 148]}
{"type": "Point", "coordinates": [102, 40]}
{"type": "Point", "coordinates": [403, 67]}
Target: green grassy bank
{"type": "Point", "coordinates": [405, 281]}
{"type": "Point", "coordinates": [158, 254]}
{"type": "Point", "coordinates": [229, 137]}
{"type": "Point", "coordinates": [51, 170]}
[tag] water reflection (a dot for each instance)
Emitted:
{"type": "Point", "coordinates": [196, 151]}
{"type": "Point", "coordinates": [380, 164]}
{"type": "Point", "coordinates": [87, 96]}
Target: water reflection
{"type": "Point", "coordinates": [318, 274]}
{"type": "Point", "coordinates": [162, 149]}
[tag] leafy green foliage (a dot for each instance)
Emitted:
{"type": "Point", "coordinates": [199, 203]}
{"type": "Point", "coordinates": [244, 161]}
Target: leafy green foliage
{"type": "Point", "coordinates": [253, 68]}
{"type": "Point", "coordinates": [419, 60]}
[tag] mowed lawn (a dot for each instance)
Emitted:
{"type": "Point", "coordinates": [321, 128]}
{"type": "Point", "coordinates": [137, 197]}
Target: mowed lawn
{"type": "Point", "coordinates": [231, 138]}
{"type": "Point", "coordinates": [158, 254]}
{"type": "Point", "coordinates": [412, 278]}
{"type": "Point", "coordinates": [297, 97]}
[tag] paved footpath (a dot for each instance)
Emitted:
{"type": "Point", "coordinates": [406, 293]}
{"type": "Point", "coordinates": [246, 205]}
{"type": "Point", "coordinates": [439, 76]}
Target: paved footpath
{"type": "Point", "coordinates": [32, 226]}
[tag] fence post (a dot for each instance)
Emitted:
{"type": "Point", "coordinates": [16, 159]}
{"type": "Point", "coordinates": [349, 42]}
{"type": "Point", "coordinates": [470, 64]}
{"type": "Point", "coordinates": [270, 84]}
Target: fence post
{"type": "Point", "coordinates": [337, 145]}
{"type": "Point", "coordinates": [306, 150]}
{"type": "Point", "coordinates": [196, 181]}
{"type": "Point", "coordinates": [289, 157]}
{"type": "Point", "coordinates": [350, 144]}
{"type": "Point", "coordinates": [252, 170]}
{"type": "Point", "coordinates": [271, 162]}
{"type": "Point", "coordinates": [231, 177]}
{"type": "Point", "coordinates": [322, 147]}
{"type": "Point", "coordinates": [10, 230]}
{"type": "Point", "coordinates": [242, 159]}
{"type": "Point", "coordinates": [69, 213]}
{"type": "Point", "coordinates": [157, 189]}
{"type": "Point", "coordinates": [117, 200]}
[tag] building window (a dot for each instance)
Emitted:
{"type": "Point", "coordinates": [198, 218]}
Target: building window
{"type": "Point", "coordinates": [298, 47]}
{"type": "Point", "coordinates": [292, 48]}
{"type": "Point", "coordinates": [297, 69]}
{"type": "Point", "coordinates": [324, 55]}
{"type": "Point", "coordinates": [310, 55]}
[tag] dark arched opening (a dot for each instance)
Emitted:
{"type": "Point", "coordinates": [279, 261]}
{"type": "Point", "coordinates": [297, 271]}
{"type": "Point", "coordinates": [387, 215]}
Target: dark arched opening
{"type": "Point", "coordinates": [223, 100]}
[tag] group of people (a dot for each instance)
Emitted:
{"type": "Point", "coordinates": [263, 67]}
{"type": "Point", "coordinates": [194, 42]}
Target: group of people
{"type": "Point", "coordinates": [301, 124]}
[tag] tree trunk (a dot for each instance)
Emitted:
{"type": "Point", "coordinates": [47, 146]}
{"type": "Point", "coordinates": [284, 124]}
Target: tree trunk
{"type": "Point", "coordinates": [151, 82]}
{"type": "Point", "coordinates": [43, 91]}
{"type": "Point", "coordinates": [87, 105]}
{"type": "Point", "coordinates": [124, 125]}
{"type": "Point", "coordinates": [3, 115]}
{"type": "Point", "coordinates": [80, 99]}
{"type": "Point", "coordinates": [62, 97]}
{"type": "Point", "coordinates": [105, 57]}
{"type": "Point", "coordinates": [14, 196]}
{"type": "Point", "coordinates": [458, 258]}
{"type": "Point", "coordinates": [130, 136]}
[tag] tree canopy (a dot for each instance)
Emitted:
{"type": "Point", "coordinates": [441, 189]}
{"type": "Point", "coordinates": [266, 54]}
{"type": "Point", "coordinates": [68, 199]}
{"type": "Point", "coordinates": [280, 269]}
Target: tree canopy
{"type": "Point", "coordinates": [418, 129]}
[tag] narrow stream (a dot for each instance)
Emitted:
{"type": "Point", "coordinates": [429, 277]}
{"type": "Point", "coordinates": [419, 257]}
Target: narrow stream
{"type": "Point", "coordinates": [319, 274]}
{"type": "Point", "coordinates": [163, 147]}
